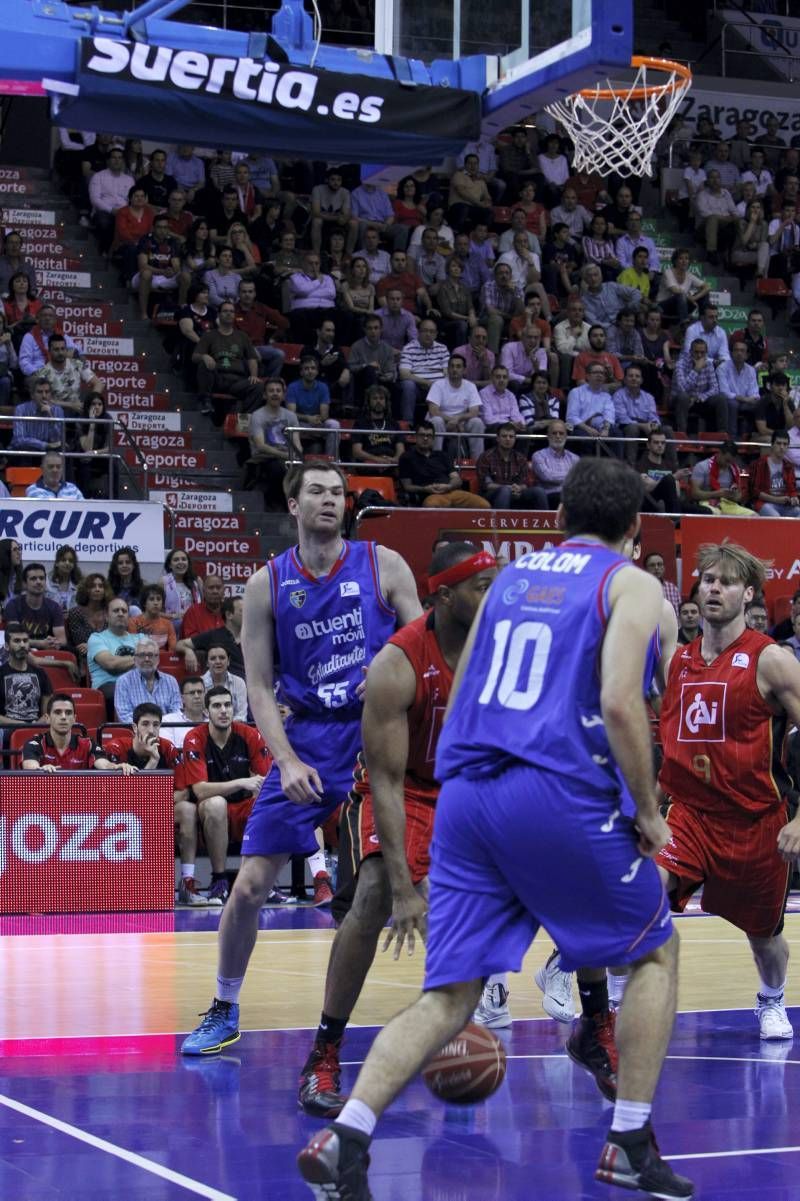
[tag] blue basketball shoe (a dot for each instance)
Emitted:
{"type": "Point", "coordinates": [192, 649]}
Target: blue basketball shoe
{"type": "Point", "coordinates": [218, 1029]}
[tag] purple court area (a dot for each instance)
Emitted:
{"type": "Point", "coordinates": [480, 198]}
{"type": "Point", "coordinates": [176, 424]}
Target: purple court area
{"type": "Point", "coordinates": [127, 1118]}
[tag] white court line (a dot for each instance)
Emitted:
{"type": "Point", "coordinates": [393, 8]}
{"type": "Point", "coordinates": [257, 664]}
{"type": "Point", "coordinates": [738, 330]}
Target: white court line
{"type": "Point", "coordinates": [353, 1063]}
{"type": "Point", "coordinates": [138, 1161]}
{"type": "Point", "coordinates": [731, 1154]}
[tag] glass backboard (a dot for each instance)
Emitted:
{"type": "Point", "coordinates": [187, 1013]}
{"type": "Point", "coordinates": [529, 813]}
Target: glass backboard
{"type": "Point", "coordinates": [535, 50]}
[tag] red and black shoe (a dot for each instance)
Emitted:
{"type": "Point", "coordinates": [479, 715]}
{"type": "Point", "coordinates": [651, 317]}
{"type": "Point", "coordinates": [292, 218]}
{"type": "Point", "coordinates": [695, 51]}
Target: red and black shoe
{"type": "Point", "coordinates": [592, 1046]}
{"type": "Point", "coordinates": [334, 1164]}
{"type": "Point", "coordinates": [632, 1161]}
{"type": "Point", "coordinates": [320, 1079]}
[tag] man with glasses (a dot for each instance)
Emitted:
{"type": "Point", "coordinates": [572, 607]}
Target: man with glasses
{"type": "Point", "coordinates": [755, 616]}
{"type": "Point", "coordinates": [428, 478]}
{"type": "Point", "coordinates": [145, 683]}
{"type": "Point", "coordinates": [192, 711]}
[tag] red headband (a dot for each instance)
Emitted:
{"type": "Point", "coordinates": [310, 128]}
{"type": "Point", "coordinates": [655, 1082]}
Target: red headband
{"type": "Point", "coordinates": [462, 571]}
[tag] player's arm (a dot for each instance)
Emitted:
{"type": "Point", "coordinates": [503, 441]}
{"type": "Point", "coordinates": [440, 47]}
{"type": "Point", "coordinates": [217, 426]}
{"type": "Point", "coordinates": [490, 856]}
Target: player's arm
{"type": "Point", "coordinates": [391, 685]}
{"type": "Point", "coordinates": [778, 679]}
{"type": "Point", "coordinates": [668, 633]}
{"type": "Point", "coordinates": [398, 585]}
{"type": "Point", "coordinates": [299, 781]}
{"type": "Point", "coordinates": [636, 603]}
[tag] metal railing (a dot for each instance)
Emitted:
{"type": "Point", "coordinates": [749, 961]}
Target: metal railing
{"type": "Point", "coordinates": [113, 425]}
{"type": "Point", "coordinates": [789, 63]}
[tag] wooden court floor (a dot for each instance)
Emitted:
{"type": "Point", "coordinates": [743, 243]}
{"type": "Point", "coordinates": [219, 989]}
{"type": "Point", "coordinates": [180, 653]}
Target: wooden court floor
{"type": "Point", "coordinates": [104, 984]}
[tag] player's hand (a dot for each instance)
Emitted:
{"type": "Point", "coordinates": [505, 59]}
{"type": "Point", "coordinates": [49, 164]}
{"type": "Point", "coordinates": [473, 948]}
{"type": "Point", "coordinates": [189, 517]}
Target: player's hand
{"type": "Point", "coordinates": [254, 783]}
{"type": "Point", "coordinates": [128, 769]}
{"type": "Point", "coordinates": [409, 914]}
{"type": "Point", "coordinates": [300, 782]}
{"type": "Point", "coordinates": [51, 767]}
{"type": "Point", "coordinates": [789, 841]}
{"type": "Point", "coordinates": [654, 833]}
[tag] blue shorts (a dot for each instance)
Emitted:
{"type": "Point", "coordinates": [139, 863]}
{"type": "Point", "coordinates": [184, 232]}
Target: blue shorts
{"type": "Point", "coordinates": [278, 826]}
{"type": "Point", "coordinates": [530, 848]}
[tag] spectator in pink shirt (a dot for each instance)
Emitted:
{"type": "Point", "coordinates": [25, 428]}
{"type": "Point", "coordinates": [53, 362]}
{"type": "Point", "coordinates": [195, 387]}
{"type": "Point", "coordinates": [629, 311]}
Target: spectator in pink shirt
{"type": "Point", "coordinates": [312, 296]}
{"type": "Point", "coordinates": [499, 404]}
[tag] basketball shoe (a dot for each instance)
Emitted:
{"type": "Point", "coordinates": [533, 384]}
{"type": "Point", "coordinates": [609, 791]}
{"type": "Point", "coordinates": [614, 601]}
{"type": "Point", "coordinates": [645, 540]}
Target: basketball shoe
{"type": "Point", "coordinates": [323, 893]}
{"type": "Point", "coordinates": [772, 1019]}
{"type": "Point", "coordinates": [493, 1008]}
{"type": "Point", "coordinates": [188, 894]}
{"type": "Point", "coordinates": [218, 1029]}
{"type": "Point", "coordinates": [556, 987]}
{"type": "Point", "coordinates": [334, 1164]}
{"type": "Point", "coordinates": [592, 1046]}
{"type": "Point", "coordinates": [632, 1160]}
{"type": "Point", "coordinates": [320, 1081]}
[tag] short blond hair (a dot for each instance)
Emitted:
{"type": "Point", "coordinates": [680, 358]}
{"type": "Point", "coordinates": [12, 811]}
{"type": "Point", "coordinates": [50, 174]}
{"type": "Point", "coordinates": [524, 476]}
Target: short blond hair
{"type": "Point", "coordinates": [734, 561]}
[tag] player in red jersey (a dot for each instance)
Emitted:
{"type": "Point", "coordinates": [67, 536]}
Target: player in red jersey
{"type": "Point", "coordinates": [723, 724]}
{"type": "Point", "coordinates": [408, 685]}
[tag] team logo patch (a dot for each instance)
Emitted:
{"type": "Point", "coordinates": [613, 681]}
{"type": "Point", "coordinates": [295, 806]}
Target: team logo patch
{"type": "Point", "coordinates": [741, 660]}
{"type": "Point", "coordinates": [702, 712]}
{"type": "Point", "coordinates": [349, 588]}
{"type": "Point", "coordinates": [298, 597]}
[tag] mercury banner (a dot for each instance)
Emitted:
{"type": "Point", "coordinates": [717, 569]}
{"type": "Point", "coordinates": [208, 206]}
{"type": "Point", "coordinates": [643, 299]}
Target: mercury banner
{"type": "Point", "coordinates": [95, 529]}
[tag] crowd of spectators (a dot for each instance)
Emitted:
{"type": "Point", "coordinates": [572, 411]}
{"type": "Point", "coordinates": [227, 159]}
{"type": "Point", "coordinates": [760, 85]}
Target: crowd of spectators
{"type": "Point", "coordinates": [509, 259]}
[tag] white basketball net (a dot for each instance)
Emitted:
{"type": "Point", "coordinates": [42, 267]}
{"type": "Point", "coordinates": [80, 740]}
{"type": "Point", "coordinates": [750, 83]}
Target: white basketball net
{"type": "Point", "coordinates": [618, 134]}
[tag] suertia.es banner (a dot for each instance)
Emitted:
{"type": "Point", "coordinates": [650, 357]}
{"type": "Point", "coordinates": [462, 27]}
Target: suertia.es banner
{"type": "Point", "coordinates": [254, 102]}
{"type": "Point", "coordinates": [86, 842]}
{"type": "Point", "coordinates": [95, 529]}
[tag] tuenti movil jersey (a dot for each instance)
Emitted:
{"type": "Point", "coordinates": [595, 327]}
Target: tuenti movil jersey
{"type": "Point", "coordinates": [328, 629]}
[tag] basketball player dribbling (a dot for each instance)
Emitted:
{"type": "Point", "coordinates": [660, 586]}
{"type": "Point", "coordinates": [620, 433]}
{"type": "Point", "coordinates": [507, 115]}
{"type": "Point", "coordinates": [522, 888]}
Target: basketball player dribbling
{"type": "Point", "coordinates": [546, 720]}
{"type": "Point", "coordinates": [724, 715]}
{"type": "Point", "coordinates": [314, 617]}
{"type": "Point", "coordinates": [408, 686]}
{"type": "Point", "coordinates": [591, 1043]}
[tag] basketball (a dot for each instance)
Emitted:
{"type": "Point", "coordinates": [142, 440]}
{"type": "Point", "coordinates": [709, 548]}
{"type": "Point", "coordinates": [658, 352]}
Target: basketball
{"type": "Point", "coordinates": [469, 1068]}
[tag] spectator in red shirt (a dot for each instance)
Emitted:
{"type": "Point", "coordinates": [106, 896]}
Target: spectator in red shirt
{"type": "Point", "coordinates": [260, 323]}
{"type": "Point", "coordinates": [132, 223]}
{"type": "Point", "coordinates": [415, 294]}
{"type": "Point", "coordinates": [206, 615]}
{"type": "Point", "coordinates": [224, 765]}
{"type": "Point", "coordinates": [60, 748]}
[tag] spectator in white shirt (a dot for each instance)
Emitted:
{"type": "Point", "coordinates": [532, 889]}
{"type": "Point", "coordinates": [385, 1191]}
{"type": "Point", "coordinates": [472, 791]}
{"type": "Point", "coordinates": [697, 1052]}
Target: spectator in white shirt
{"type": "Point", "coordinates": [108, 192]}
{"type": "Point", "coordinates": [761, 176]}
{"type": "Point", "coordinates": [218, 662]}
{"type": "Point", "coordinates": [715, 214]}
{"type": "Point", "coordinates": [555, 169]}
{"type": "Point", "coordinates": [519, 223]}
{"type": "Point", "coordinates": [714, 337]}
{"type": "Point", "coordinates": [738, 382]}
{"type": "Point", "coordinates": [454, 405]}
{"type": "Point", "coordinates": [192, 711]}
{"type": "Point", "coordinates": [692, 181]}
{"type": "Point", "coordinates": [573, 215]}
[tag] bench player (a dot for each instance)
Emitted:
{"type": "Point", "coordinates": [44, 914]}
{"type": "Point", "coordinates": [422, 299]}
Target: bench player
{"type": "Point", "coordinates": [546, 718]}
{"type": "Point", "coordinates": [314, 617]}
{"type": "Point", "coordinates": [408, 685]}
{"type": "Point", "coordinates": [723, 723]}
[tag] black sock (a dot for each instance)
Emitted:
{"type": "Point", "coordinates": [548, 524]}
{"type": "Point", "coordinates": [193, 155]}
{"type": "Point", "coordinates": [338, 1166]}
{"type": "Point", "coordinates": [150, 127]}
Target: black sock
{"type": "Point", "coordinates": [594, 997]}
{"type": "Point", "coordinates": [218, 876]}
{"type": "Point", "coordinates": [331, 1030]}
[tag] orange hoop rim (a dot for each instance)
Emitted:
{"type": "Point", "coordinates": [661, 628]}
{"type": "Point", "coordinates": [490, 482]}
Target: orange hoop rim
{"type": "Point", "coordinates": [683, 74]}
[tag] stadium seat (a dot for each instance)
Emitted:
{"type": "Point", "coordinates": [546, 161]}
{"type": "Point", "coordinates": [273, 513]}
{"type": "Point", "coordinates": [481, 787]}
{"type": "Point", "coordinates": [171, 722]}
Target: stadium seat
{"type": "Point", "coordinates": [90, 705]}
{"type": "Point", "coordinates": [356, 484]}
{"type": "Point", "coordinates": [18, 478]}
{"type": "Point", "coordinates": [236, 425]}
{"type": "Point", "coordinates": [112, 731]}
{"type": "Point", "coordinates": [59, 677]}
{"type": "Point", "coordinates": [172, 665]}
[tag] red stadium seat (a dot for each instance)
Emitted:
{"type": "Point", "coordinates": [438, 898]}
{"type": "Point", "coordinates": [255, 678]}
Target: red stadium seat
{"type": "Point", "coordinates": [59, 677]}
{"type": "Point", "coordinates": [18, 478]}
{"type": "Point", "coordinates": [356, 484]}
{"type": "Point", "coordinates": [172, 664]}
{"type": "Point", "coordinates": [90, 705]}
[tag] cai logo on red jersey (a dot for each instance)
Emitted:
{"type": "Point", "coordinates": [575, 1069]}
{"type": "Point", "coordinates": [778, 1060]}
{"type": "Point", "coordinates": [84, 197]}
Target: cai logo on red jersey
{"type": "Point", "coordinates": [702, 712]}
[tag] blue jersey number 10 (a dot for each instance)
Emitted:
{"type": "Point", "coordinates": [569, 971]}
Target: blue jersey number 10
{"type": "Point", "coordinates": [504, 679]}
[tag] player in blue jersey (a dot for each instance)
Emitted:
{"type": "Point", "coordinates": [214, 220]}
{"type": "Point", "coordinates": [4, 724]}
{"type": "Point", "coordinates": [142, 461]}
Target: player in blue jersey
{"type": "Point", "coordinates": [546, 738]}
{"type": "Point", "coordinates": [314, 617]}
{"type": "Point", "coordinates": [591, 1043]}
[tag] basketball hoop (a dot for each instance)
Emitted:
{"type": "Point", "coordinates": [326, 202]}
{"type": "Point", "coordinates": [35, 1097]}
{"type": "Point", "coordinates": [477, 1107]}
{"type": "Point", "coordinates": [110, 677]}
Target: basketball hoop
{"type": "Point", "coordinates": [615, 128]}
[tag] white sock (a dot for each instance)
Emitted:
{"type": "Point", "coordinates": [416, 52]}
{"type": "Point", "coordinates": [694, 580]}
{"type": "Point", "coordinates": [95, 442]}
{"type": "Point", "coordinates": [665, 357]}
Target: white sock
{"type": "Point", "coordinates": [357, 1116]}
{"type": "Point", "coordinates": [228, 989]}
{"type": "Point", "coordinates": [767, 991]}
{"type": "Point", "coordinates": [316, 863]}
{"type": "Point", "coordinates": [497, 978]}
{"type": "Point", "coordinates": [187, 871]}
{"type": "Point", "coordinates": [616, 988]}
{"type": "Point", "coordinates": [629, 1115]}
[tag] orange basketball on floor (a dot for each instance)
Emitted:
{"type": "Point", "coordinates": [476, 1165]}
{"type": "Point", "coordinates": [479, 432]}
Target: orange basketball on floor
{"type": "Point", "coordinates": [467, 1069]}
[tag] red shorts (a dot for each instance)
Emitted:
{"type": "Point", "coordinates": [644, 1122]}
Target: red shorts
{"type": "Point", "coordinates": [238, 813]}
{"type": "Point", "coordinates": [744, 878]}
{"type": "Point", "coordinates": [419, 831]}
